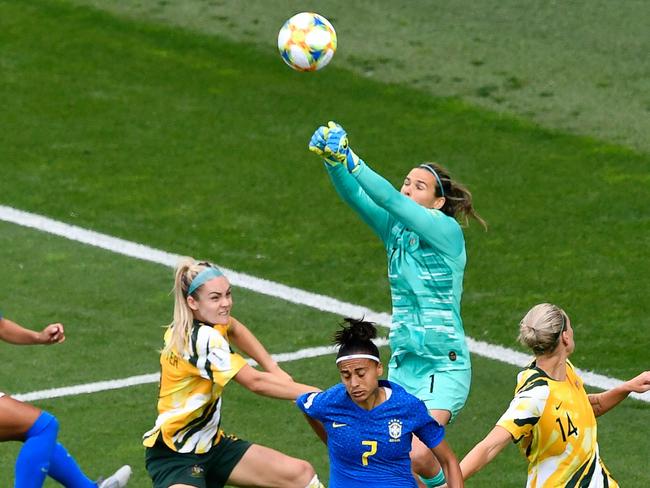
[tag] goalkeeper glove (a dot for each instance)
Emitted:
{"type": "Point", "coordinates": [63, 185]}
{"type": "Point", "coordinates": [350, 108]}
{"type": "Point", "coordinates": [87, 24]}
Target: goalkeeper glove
{"type": "Point", "coordinates": [317, 145]}
{"type": "Point", "coordinates": [336, 146]}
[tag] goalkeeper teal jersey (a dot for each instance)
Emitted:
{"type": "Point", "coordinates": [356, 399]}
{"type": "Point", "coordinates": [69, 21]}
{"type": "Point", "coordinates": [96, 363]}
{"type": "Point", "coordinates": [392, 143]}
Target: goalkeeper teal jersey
{"type": "Point", "coordinates": [426, 263]}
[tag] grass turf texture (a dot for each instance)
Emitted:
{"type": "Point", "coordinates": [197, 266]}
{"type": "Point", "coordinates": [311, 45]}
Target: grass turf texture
{"type": "Point", "coordinates": [577, 68]}
{"type": "Point", "coordinates": [112, 312]}
{"type": "Point", "coordinates": [197, 145]}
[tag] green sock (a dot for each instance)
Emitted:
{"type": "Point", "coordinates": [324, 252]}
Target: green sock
{"type": "Point", "coordinates": [437, 480]}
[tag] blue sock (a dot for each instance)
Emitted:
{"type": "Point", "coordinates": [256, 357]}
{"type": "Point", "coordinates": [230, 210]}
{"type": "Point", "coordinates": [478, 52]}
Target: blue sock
{"type": "Point", "coordinates": [437, 480]}
{"type": "Point", "coordinates": [65, 470]}
{"type": "Point", "coordinates": [33, 460]}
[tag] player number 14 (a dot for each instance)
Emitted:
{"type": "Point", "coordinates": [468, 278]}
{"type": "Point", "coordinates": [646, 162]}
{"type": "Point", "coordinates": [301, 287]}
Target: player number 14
{"type": "Point", "coordinates": [371, 452]}
{"type": "Point", "coordinates": [570, 428]}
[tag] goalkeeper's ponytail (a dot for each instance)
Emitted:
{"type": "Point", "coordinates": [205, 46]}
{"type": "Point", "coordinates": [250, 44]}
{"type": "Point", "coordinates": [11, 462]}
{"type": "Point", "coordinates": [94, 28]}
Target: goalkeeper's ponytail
{"type": "Point", "coordinates": [458, 199]}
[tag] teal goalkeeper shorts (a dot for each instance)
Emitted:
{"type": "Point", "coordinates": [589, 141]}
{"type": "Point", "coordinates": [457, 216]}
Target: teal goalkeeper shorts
{"type": "Point", "coordinates": [439, 390]}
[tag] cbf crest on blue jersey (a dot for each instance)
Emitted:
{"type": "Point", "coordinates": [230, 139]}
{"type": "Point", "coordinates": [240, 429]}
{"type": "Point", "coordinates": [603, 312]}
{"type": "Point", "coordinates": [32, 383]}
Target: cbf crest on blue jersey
{"type": "Point", "coordinates": [395, 430]}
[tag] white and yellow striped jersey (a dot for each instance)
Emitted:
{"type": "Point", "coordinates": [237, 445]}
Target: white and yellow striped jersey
{"type": "Point", "coordinates": [554, 425]}
{"type": "Point", "coordinates": [191, 385]}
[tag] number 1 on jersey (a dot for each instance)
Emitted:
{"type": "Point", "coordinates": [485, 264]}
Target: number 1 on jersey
{"type": "Point", "coordinates": [371, 452]}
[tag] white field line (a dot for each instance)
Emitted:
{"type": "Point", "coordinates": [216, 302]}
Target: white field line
{"type": "Point", "coordinates": [265, 287]}
{"type": "Point", "coordinates": [143, 379]}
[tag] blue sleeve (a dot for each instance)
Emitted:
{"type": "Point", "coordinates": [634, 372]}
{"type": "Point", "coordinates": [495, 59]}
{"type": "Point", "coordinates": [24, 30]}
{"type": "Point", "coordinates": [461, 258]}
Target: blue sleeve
{"type": "Point", "coordinates": [427, 428]}
{"type": "Point", "coordinates": [437, 229]}
{"type": "Point", "coordinates": [311, 405]}
{"type": "Point", "coordinates": [378, 219]}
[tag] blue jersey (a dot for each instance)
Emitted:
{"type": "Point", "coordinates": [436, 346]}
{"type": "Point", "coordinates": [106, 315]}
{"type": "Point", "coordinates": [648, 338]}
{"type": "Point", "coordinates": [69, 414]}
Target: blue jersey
{"type": "Point", "coordinates": [426, 264]}
{"type": "Point", "coordinates": [371, 447]}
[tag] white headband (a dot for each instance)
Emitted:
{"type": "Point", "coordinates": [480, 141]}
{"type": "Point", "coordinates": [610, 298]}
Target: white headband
{"type": "Point", "coordinates": [357, 356]}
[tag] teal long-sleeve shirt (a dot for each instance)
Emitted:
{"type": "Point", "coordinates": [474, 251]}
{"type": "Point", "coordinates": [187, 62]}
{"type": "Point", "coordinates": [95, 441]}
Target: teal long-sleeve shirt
{"type": "Point", "coordinates": [426, 264]}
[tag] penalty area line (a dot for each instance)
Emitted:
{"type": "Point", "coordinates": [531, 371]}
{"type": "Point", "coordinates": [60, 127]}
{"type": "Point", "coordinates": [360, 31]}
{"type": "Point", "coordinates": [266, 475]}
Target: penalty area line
{"type": "Point", "coordinates": [269, 288]}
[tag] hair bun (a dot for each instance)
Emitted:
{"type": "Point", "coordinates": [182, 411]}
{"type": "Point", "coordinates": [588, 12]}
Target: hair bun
{"type": "Point", "coordinates": [355, 330]}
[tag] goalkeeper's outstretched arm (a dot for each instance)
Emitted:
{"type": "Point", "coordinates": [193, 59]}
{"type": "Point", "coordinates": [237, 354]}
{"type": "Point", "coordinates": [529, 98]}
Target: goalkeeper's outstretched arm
{"type": "Point", "coordinates": [377, 218]}
{"type": "Point", "coordinates": [443, 234]}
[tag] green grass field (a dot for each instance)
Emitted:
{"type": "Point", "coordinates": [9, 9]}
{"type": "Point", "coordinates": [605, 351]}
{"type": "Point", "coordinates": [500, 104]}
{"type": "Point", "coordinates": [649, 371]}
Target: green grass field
{"type": "Point", "coordinates": [190, 136]}
{"type": "Point", "coordinates": [577, 66]}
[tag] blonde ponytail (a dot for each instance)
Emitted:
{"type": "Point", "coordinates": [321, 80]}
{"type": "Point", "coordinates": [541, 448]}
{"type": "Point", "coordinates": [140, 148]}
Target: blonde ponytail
{"type": "Point", "coordinates": [181, 326]}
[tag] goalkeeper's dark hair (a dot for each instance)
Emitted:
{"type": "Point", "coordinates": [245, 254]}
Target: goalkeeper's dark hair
{"type": "Point", "coordinates": [355, 337]}
{"type": "Point", "coordinates": [458, 199]}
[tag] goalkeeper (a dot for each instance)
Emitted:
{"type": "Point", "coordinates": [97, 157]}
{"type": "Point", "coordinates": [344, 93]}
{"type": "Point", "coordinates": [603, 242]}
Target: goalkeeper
{"type": "Point", "coordinates": [426, 261]}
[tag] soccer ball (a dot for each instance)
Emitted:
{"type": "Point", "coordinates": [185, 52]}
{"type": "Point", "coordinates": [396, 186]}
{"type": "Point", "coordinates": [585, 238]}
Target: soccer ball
{"type": "Point", "coordinates": [307, 41]}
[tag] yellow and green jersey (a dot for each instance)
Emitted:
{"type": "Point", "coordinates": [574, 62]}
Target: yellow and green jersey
{"type": "Point", "coordinates": [554, 425]}
{"type": "Point", "coordinates": [191, 385]}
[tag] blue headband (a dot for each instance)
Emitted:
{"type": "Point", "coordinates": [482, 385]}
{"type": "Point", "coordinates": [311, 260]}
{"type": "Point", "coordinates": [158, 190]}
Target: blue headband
{"type": "Point", "coordinates": [434, 173]}
{"type": "Point", "coordinates": [205, 275]}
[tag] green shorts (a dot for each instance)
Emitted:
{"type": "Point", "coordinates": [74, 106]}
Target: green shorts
{"type": "Point", "coordinates": [212, 469]}
{"type": "Point", "coordinates": [439, 390]}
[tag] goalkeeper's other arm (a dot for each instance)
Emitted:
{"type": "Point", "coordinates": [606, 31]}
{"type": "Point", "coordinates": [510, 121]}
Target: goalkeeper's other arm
{"type": "Point", "coordinates": [336, 146]}
{"type": "Point", "coordinates": [317, 145]}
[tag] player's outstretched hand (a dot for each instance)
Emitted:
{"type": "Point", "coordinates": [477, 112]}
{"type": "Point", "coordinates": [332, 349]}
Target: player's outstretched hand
{"type": "Point", "coordinates": [336, 146]}
{"type": "Point", "coordinates": [52, 334]}
{"type": "Point", "coordinates": [640, 383]}
{"type": "Point", "coordinates": [317, 145]}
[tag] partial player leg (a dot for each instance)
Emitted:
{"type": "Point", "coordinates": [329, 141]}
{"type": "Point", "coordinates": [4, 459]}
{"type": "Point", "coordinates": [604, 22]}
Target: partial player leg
{"type": "Point", "coordinates": [16, 418]}
{"type": "Point", "coordinates": [264, 467]}
{"type": "Point", "coordinates": [38, 430]}
{"type": "Point", "coordinates": [424, 464]}
{"type": "Point", "coordinates": [65, 470]}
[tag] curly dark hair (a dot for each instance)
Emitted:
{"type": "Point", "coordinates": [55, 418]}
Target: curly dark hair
{"type": "Point", "coordinates": [355, 337]}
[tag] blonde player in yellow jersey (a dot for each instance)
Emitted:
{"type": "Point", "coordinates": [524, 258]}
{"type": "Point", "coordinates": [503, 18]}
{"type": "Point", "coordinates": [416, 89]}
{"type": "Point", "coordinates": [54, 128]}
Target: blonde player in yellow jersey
{"type": "Point", "coordinates": [552, 418]}
{"type": "Point", "coordinates": [187, 448]}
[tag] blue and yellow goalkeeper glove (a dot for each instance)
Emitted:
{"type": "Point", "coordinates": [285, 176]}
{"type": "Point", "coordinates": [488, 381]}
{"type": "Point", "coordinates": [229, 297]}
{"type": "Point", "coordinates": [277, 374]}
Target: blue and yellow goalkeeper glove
{"type": "Point", "coordinates": [336, 147]}
{"type": "Point", "coordinates": [317, 145]}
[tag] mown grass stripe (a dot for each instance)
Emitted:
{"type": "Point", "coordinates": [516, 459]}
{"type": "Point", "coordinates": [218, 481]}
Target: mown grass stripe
{"type": "Point", "coordinates": [258, 285]}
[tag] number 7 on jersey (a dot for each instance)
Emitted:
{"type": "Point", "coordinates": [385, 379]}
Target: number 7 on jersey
{"type": "Point", "coordinates": [371, 452]}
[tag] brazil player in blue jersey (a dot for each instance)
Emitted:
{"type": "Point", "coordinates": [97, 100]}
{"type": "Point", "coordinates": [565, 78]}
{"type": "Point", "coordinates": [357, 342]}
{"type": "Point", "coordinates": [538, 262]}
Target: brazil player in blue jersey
{"type": "Point", "coordinates": [368, 423]}
{"type": "Point", "coordinates": [41, 454]}
{"type": "Point", "coordinates": [425, 247]}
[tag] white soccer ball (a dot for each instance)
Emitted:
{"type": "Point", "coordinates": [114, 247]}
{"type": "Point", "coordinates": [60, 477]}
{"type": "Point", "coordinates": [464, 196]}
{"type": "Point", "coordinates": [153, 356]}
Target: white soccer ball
{"type": "Point", "coordinates": [307, 41]}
